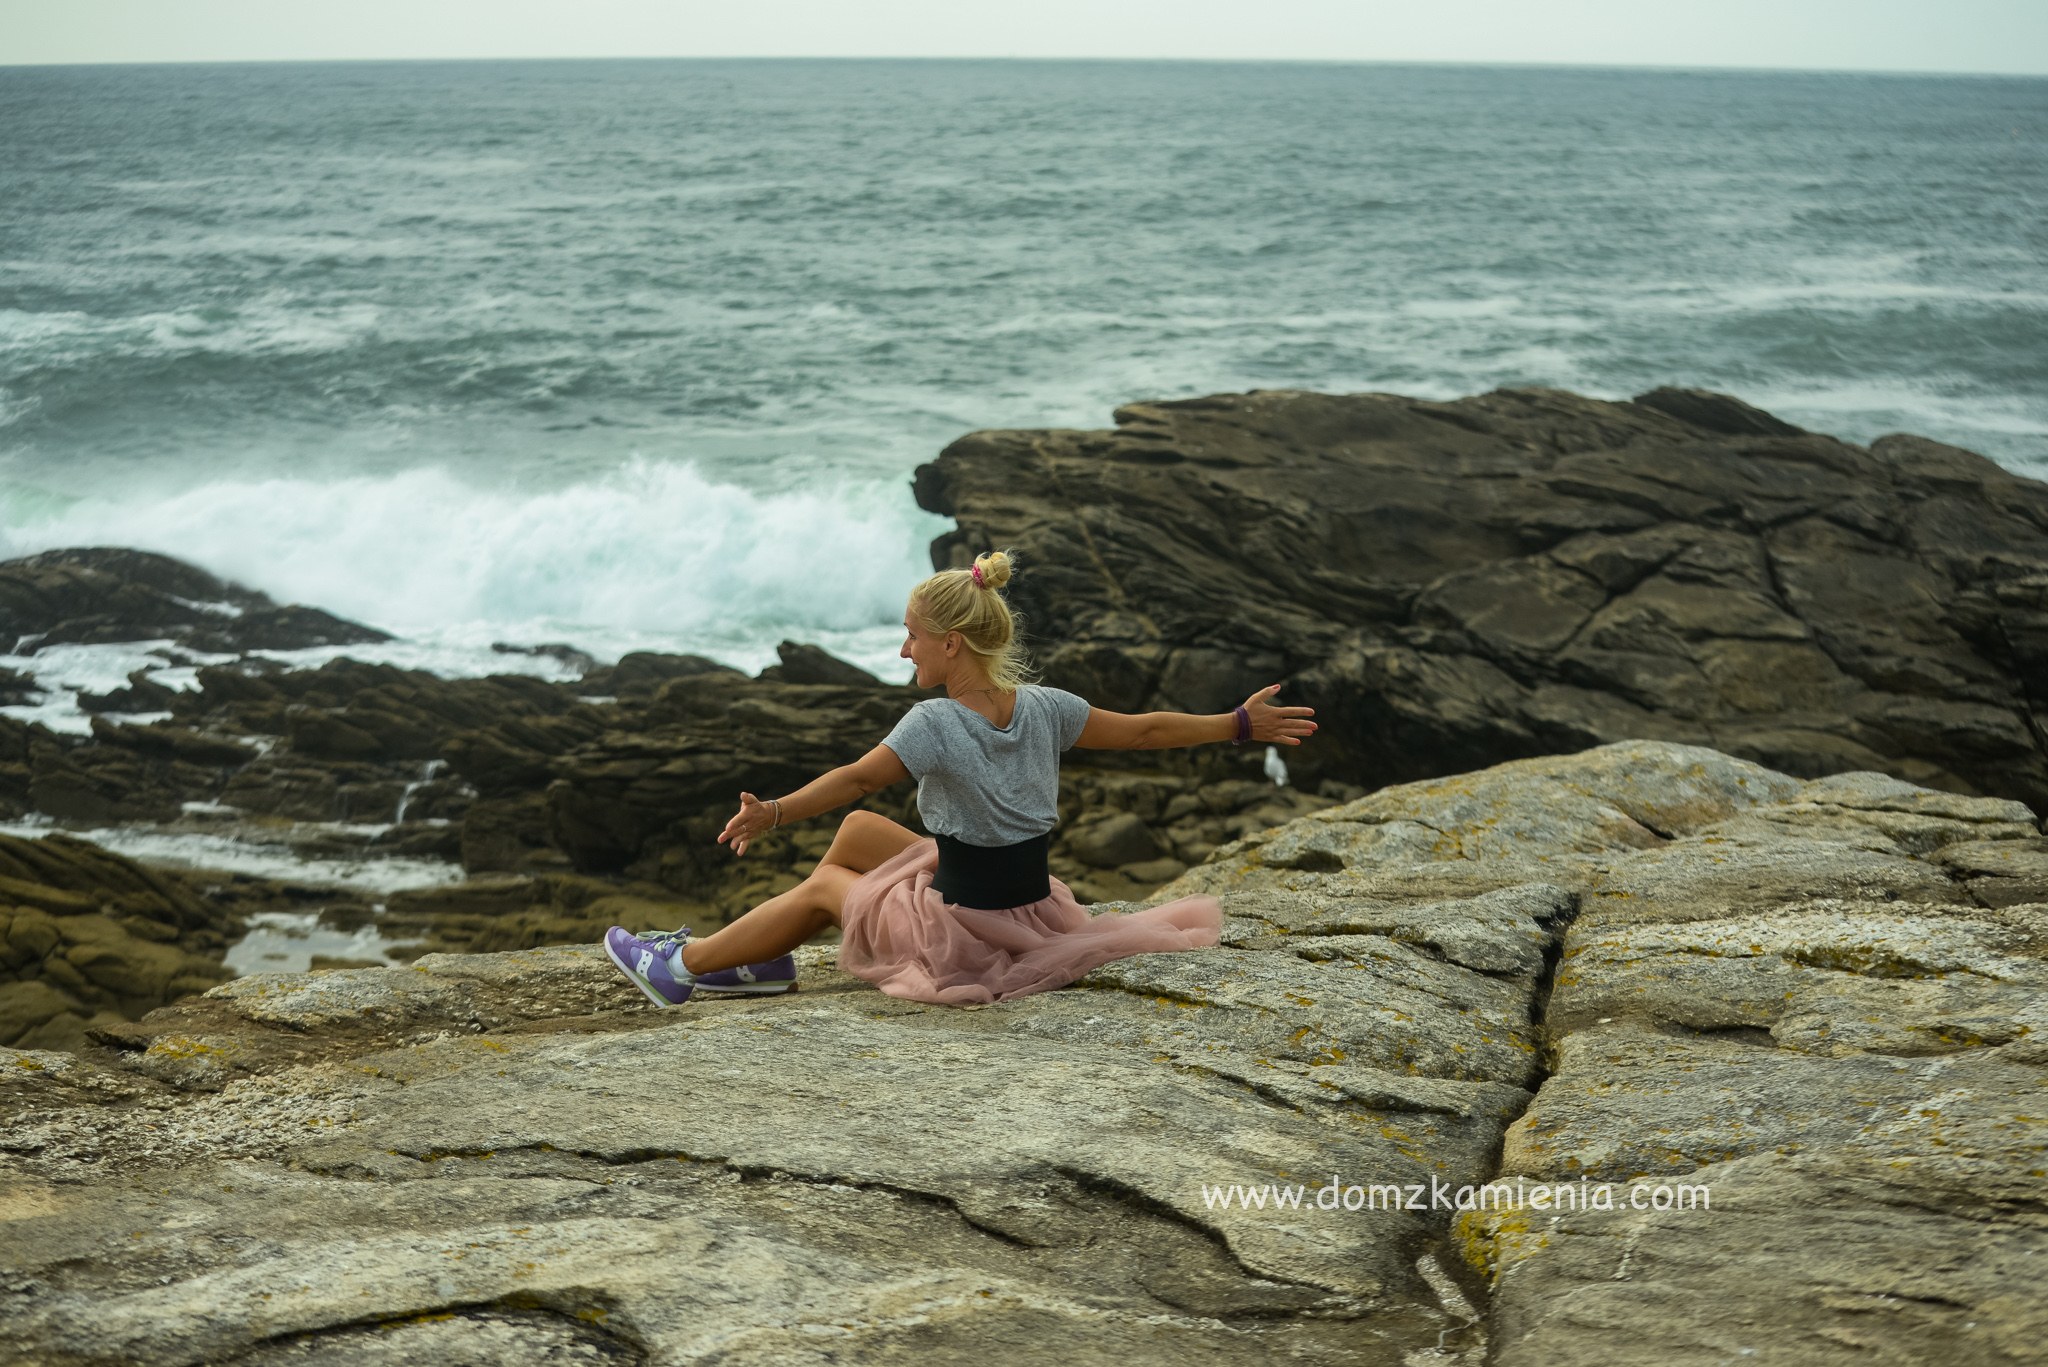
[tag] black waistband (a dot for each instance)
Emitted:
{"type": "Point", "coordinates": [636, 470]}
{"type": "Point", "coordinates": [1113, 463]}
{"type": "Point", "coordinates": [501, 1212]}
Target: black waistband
{"type": "Point", "coordinates": [993, 877]}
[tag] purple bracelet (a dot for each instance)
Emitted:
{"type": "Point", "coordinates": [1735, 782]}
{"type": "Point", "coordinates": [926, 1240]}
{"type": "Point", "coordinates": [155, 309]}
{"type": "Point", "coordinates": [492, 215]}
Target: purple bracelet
{"type": "Point", "coordinates": [1244, 726]}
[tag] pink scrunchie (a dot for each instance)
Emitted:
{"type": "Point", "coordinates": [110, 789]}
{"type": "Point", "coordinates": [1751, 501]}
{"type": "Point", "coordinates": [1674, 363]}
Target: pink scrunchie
{"type": "Point", "coordinates": [977, 574]}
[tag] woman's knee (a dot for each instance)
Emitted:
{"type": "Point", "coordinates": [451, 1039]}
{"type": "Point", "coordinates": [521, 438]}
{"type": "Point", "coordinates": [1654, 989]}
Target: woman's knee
{"type": "Point", "coordinates": [861, 824]}
{"type": "Point", "coordinates": [867, 840]}
{"type": "Point", "coordinates": [828, 886]}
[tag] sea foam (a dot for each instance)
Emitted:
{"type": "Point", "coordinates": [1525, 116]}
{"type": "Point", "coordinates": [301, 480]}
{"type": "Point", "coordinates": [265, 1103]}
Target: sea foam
{"type": "Point", "coordinates": [648, 555]}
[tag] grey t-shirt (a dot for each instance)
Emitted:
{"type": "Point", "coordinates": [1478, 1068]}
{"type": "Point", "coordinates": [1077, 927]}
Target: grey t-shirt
{"type": "Point", "coordinates": [984, 784]}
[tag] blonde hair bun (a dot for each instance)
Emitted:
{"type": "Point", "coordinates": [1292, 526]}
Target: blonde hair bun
{"type": "Point", "coordinates": [994, 567]}
{"type": "Point", "coordinates": [951, 600]}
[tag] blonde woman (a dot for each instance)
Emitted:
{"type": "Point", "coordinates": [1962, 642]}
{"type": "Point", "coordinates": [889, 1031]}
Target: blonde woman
{"type": "Point", "coordinates": [969, 914]}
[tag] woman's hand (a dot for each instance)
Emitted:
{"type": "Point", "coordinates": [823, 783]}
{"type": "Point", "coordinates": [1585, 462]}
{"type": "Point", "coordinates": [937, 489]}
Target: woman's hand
{"type": "Point", "coordinates": [753, 818]}
{"type": "Point", "coordinates": [1282, 725]}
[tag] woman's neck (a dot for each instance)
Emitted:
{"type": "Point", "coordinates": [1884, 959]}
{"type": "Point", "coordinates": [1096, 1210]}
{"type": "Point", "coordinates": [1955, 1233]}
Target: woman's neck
{"type": "Point", "coordinates": [982, 696]}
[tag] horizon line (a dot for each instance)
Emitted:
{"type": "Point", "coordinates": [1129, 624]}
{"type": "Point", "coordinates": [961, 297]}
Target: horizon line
{"type": "Point", "coordinates": [1104, 60]}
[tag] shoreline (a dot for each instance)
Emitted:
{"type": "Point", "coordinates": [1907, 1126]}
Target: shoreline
{"type": "Point", "coordinates": [1517, 573]}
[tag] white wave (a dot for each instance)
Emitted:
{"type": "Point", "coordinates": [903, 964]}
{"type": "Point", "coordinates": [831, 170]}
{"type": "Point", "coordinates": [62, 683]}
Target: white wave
{"type": "Point", "coordinates": [648, 556]}
{"type": "Point", "coordinates": [1864, 412]}
{"type": "Point", "coordinates": [1862, 294]}
{"type": "Point", "coordinates": [1499, 307]}
{"type": "Point", "coordinates": [272, 323]}
{"type": "Point", "coordinates": [64, 671]}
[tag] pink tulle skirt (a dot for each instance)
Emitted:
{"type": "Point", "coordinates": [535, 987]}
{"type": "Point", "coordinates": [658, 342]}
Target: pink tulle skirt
{"type": "Point", "coordinates": [902, 936]}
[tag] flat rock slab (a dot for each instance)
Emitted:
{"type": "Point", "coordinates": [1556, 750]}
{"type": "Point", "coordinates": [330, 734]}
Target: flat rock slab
{"type": "Point", "coordinates": [519, 1141]}
{"type": "Point", "coordinates": [1809, 1259]}
{"type": "Point", "coordinates": [1829, 1013]}
{"type": "Point", "coordinates": [1648, 963]}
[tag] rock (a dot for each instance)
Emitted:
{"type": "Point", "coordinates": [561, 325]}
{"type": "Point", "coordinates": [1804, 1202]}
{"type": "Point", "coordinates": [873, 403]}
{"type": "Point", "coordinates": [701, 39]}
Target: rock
{"type": "Point", "coordinates": [808, 664]}
{"type": "Point", "coordinates": [507, 834]}
{"type": "Point", "coordinates": [1152, 872]}
{"type": "Point", "coordinates": [579, 660]}
{"type": "Point", "coordinates": [1705, 971]}
{"type": "Point", "coordinates": [141, 694]}
{"type": "Point", "coordinates": [1118, 838]}
{"type": "Point", "coordinates": [1721, 413]}
{"type": "Point", "coordinates": [640, 673]}
{"type": "Point", "coordinates": [1100, 1178]}
{"type": "Point", "coordinates": [1788, 1002]}
{"type": "Point", "coordinates": [494, 914]}
{"type": "Point", "coordinates": [89, 938]}
{"type": "Point", "coordinates": [18, 689]}
{"type": "Point", "coordinates": [107, 594]}
{"type": "Point", "coordinates": [1528, 572]}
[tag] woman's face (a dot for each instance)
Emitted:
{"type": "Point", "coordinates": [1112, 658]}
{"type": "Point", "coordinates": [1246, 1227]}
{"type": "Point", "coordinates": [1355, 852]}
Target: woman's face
{"type": "Point", "coordinates": [926, 651]}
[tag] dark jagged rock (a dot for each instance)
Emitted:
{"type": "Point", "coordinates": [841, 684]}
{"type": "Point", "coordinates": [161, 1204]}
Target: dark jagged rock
{"type": "Point", "coordinates": [639, 674]}
{"type": "Point", "coordinates": [662, 789]}
{"type": "Point", "coordinates": [18, 689]}
{"type": "Point", "coordinates": [579, 660]}
{"type": "Point", "coordinates": [1531, 572]}
{"type": "Point", "coordinates": [808, 664]}
{"type": "Point", "coordinates": [105, 594]}
{"type": "Point", "coordinates": [140, 694]}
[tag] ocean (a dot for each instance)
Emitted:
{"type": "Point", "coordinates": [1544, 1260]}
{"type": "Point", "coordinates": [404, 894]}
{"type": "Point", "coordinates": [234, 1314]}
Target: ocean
{"type": "Point", "coordinates": [641, 354]}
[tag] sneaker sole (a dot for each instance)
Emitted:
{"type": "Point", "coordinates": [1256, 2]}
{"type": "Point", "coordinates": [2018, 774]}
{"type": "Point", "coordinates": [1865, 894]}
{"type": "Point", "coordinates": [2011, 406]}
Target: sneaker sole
{"type": "Point", "coordinates": [636, 979]}
{"type": "Point", "coordinates": [749, 990]}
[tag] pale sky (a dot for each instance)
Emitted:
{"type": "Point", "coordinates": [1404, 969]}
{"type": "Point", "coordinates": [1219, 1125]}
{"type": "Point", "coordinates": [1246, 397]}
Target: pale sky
{"type": "Point", "coordinates": [2009, 36]}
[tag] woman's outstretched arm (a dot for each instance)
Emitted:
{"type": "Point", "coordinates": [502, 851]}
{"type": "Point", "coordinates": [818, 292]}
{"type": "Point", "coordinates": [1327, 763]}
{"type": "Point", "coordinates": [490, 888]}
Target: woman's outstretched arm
{"type": "Point", "coordinates": [1171, 730]}
{"type": "Point", "coordinates": [871, 773]}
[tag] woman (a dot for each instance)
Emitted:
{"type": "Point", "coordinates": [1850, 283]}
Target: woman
{"type": "Point", "coordinates": [970, 914]}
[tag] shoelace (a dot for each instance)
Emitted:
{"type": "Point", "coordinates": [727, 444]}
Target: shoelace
{"type": "Point", "coordinates": [664, 942]}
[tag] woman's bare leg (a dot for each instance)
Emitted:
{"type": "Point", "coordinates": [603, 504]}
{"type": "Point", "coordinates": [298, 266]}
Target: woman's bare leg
{"type": "Point", "coordinates": [777, 926]}
{"type": "Point", "coordinates": [865, 841]}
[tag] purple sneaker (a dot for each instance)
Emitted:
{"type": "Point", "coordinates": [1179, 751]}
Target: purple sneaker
{"type": "Point", "coordinates": [645, 961]}
{"type": "Point", "coordinates": [751, 980]}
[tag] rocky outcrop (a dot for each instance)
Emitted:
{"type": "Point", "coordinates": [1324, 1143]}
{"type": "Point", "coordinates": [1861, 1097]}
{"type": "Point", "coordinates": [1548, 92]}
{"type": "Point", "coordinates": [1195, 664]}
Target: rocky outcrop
{"type": "Point", "coordinates": [1531, 572]}
{"type": "Point", "coordinates": [107, 594]}
{"type": "Point", "coordinates": [1450, 585]}
{"type": "Point", "coordinates": [89, 938]}
{"type": "Point", "coordinates": [1647, 962]}
{"type": "Point", "coordinates": [626, 775]}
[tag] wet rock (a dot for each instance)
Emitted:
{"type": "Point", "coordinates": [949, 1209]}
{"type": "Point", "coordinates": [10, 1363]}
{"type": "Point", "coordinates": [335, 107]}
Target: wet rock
{"type": "Point", "coordinates": [140, 694]}
{"type": "Point", "coordinates": [809, 664]}
{"type": "Point", "coordinates": [18, 689]}
{"type": "Point", "coordinates": [639, 674]}
{"type": "Point", "coordinates": [562, 653]}
{"type": "Point", "coordinates": [106, 594]}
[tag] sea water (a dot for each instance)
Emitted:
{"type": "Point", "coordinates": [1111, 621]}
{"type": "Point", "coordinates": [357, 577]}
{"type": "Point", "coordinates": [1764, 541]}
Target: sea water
{"type": "Point", "coordinates": [642, 354]}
